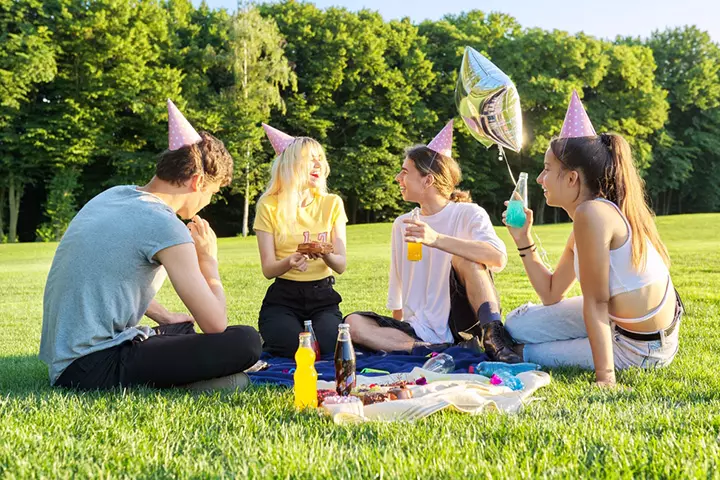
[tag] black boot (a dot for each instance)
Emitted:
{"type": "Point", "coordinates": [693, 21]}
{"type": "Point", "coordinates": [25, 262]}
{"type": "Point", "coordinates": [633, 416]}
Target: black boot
{"type": "Point", "coordinates": [498, 344]}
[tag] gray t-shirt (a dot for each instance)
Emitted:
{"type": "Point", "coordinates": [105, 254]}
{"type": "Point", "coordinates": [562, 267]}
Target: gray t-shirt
{"type": "Point", "coordinates": [103, 276]}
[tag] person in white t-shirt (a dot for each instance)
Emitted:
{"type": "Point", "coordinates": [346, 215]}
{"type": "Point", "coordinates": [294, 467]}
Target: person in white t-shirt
{"type": "Point", "coordinates": [448, 296]}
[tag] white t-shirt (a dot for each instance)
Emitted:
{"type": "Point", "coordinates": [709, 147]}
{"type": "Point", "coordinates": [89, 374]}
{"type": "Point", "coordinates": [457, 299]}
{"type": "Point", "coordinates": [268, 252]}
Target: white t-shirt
{"type": "Point", "coordinates": [421, 289]}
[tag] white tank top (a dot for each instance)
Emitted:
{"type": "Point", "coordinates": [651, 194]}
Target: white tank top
{"type": "Point", "coordinates": [623, 277]}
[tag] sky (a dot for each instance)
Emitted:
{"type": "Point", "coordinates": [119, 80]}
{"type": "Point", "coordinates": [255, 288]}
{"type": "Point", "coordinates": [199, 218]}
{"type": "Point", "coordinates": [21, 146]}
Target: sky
{"type": "Point", "coordinates": [603, 19]}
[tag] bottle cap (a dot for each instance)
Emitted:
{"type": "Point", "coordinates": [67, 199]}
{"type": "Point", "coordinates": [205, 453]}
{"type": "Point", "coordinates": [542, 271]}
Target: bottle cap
{"type": "Point", "coordinates": [344, 326]}
{"type": "Point", "coordinates": [308, 323]}
{"type": "Point", "coordinates": [523, 175]}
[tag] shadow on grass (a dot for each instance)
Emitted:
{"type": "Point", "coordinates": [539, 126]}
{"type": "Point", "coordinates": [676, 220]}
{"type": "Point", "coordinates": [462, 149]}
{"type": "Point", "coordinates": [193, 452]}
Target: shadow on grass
{"type": "Point", "coordinates": [23, 374]}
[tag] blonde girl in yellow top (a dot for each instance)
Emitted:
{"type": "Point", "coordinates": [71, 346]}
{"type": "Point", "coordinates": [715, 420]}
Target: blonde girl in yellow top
{"type": "Point", "coordinates": [295, 209]}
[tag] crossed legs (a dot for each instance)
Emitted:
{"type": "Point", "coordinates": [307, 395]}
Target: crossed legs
{"type": "Point", "coordinates": [381, 333]}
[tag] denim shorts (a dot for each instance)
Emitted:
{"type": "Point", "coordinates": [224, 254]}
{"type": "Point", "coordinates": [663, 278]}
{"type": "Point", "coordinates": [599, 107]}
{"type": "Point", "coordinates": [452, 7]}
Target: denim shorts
{"type": "Point", "coordinates": [555, 335]}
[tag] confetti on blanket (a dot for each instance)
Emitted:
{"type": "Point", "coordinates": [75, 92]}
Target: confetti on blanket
{"type": "Point", "coordinates": [463, 392]}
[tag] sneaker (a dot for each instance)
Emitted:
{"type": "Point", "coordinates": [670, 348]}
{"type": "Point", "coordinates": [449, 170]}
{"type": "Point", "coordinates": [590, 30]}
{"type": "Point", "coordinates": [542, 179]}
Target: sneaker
{"type": "Point", "coordinates": [237, 382]}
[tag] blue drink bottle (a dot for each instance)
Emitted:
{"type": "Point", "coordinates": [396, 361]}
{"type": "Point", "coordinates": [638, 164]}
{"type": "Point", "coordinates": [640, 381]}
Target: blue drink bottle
{"type": "Point", "coordinates": [516, 217]}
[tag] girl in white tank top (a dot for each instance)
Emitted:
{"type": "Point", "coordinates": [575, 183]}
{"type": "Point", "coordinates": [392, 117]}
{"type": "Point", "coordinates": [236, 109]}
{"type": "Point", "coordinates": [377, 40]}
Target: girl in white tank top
{"type": "Point", "coordinates": [581, 174]}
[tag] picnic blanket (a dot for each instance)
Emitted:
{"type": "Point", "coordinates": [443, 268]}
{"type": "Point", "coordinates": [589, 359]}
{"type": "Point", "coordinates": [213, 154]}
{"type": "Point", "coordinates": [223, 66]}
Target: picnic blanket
{"type": "Point", "coordinates": [462, 392]}
{"type": "Point", "coordinates": [280, 371]}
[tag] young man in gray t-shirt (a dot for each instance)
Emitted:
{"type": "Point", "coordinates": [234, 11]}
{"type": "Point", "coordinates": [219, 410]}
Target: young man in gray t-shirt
{"type": "Point", "coordinates": [111, 262]}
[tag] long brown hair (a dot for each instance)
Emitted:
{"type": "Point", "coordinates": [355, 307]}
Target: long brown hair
{"type": "Point", "coordinates": [606, 164]}
{"type": "Point", "coordinates": [445, 171]}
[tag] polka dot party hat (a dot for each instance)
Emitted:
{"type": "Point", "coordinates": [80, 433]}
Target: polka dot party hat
{"type": "Point", "coordinates": [442, 143]}
{"type": "Point", "coordinates": [180, 132]}
{"type": "Point", "coordinates": [577, 123]}
{"type": "Point", "coordinates": [278, 139]}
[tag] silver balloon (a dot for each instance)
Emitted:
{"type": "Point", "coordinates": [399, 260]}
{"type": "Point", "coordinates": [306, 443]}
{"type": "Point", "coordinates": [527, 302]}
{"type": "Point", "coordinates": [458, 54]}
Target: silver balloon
{"type": "Point", "coordinates": [488, 102]}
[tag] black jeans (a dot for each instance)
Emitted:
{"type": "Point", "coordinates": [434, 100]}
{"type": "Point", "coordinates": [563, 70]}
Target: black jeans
{"type": "Point", "coordinates": [175, 356]}
{"type": "Point", "coordinates": [287, 304]}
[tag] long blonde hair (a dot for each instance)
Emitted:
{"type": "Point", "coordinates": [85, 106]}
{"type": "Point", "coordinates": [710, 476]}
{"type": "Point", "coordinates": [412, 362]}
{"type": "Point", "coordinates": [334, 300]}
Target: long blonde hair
{"type": "Point", "coordinates": [289, 178]}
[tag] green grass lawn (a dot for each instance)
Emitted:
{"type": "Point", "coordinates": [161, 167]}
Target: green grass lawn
{"type": "Point", "coordinates": [668, 425]}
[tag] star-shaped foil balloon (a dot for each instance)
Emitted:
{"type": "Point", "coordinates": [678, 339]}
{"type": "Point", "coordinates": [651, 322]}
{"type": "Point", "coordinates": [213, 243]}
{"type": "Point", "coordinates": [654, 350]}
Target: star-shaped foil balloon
{"type": "Point", "coordinates": [488, 102]}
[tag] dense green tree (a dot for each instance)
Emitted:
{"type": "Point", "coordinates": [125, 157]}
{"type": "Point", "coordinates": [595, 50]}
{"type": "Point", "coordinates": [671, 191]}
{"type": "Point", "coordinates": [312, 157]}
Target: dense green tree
{"type": "Point", "coordinates": [27, 60]}
{"type": "Point", "coordinates": [686, 150]}
{"type": "Point", "coordinates": [83, 88]}
{"type": "Point", "coordinates": [61, 204]}
{"type": "Point", "coordinates": [104, 113]}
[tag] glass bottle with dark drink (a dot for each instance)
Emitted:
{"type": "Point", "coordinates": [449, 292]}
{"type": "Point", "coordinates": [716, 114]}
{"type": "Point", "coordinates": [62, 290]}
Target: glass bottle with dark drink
{"type": "Point", "coordinates": [344, 361]}
{"type": "Point", "coordinates": [313, 339]}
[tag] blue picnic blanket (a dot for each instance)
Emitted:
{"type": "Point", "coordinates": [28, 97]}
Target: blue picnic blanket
{"type": "Point", "coordinates": [280, 370]}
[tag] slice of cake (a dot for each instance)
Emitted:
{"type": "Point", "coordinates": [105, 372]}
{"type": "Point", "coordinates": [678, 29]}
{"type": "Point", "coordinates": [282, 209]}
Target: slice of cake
{"type": "Point", "coordinates": [316, 248]}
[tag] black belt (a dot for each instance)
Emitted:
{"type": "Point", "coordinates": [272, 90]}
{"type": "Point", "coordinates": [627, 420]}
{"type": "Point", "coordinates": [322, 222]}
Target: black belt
{"type": "Point", "coordinates": [648, 337]}
{"type": "Point", "coordinates": [311, 284]}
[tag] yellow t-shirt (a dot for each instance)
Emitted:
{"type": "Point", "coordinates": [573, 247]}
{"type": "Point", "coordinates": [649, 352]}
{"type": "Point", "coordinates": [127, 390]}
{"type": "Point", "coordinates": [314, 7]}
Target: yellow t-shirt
{"type": "Point", "coordinates": [314, 224]}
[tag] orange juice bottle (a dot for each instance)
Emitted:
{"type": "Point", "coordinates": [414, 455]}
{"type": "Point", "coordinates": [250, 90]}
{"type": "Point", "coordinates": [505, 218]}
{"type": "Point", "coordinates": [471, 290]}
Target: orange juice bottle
{"type": "Point", "coordinates": [305, 376]}
{"type": "Point", "coordinates": [414, 252]}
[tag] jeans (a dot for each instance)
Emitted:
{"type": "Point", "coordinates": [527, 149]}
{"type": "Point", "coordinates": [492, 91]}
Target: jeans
{"type": "Point", "coordinates": [555, 336]}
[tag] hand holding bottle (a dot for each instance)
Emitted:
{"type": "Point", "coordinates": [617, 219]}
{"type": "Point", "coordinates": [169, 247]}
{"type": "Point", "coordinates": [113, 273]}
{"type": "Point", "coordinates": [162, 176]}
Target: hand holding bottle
{"type": "Point", "coordinates": [518, 217]}
{"type": "Point", "coordinates": [418, 231]}
{"type": "Point", "coordinates": [522, 233]}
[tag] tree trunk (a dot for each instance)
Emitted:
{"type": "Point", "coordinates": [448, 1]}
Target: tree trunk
{"type": "Point", "coordinates": [246, 204]}
{"type": "Point", "coordinates": [15, 191]}
{"type": "Point", "coordinates": [2, 213]}
{"type": "Point", "coordinates": [668, 199]}
{"type": "Point", "coordinates": [679, 202]}
{"type": "Point", "coordinates": [354, 206]}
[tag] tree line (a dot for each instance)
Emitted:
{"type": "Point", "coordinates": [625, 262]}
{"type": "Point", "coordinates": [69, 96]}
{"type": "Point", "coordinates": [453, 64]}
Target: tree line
{"type": "Point", "coordinates": [83, 87]}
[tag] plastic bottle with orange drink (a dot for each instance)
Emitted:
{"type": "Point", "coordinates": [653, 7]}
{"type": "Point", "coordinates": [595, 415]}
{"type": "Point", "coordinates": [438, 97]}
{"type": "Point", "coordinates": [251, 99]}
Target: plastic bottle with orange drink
{"type": "Point", "coordinates": [414, 249]}
{"type": "Point", "coordinates": [305, 376]}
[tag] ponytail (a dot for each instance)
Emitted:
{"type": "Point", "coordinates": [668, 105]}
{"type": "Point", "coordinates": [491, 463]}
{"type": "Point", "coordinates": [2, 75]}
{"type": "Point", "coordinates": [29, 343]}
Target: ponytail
{"type": "Point", "coordinates": [623, 186]}
{"type": "Point", "coordinates": [460, 196]}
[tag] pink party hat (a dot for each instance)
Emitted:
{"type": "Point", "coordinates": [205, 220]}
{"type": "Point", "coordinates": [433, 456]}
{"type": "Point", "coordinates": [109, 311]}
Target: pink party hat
{"type": "Point", "coordinates": [442, 143]}
{"type": "Point", "coordinates": [279, 140]}
{"type": "Point", "coordinates": [180, 132]}
{"type": "Point", "coordinates": [577, 123]}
